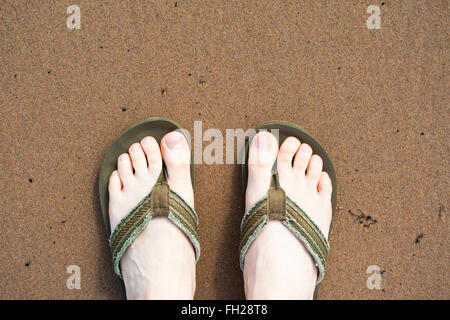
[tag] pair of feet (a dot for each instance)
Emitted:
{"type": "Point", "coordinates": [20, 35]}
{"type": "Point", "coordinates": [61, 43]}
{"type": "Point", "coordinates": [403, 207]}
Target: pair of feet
{"type": "Point", "coordinates": [160, 263]}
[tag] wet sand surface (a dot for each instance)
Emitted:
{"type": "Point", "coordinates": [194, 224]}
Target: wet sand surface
{"type": "Point", "coordinates": [376, 99]}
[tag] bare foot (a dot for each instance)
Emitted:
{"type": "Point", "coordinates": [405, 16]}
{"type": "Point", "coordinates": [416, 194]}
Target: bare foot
{"type": "Point", "coordinates": [160, 263]}
{"type": "Point", "coordinates": [277, 265]}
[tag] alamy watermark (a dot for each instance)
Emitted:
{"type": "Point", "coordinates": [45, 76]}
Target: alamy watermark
{"type": "Point", "coordinates": [374, 20]}
{"type": "Point", "coordinates": [219, 148]}
{"type": "Point", "coordinates": [374, 280]}
{"type": "Point", "coordinates": [74, 280]}
{"type": "Point", "coordinates": [74, 20]}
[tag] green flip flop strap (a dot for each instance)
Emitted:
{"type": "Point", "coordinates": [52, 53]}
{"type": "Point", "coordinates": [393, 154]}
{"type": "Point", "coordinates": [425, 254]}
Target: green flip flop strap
{"type": "Point", "coordinates": [160, 202]}
{"type": "Point", "coordinates": [277, 206]}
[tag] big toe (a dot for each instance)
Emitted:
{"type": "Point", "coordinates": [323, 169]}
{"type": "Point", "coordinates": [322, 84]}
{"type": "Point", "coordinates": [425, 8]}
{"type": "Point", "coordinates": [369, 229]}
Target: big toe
{"type": "Point", "coordinates": [177, 157]}
{"type": "Point", "coordinates": [175, 151]}
{"type": "Point", "coordinates": [262, 155]}
{"type": "Point", "coordinates": [262, 151]}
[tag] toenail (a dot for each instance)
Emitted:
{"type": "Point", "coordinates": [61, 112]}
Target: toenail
{"type": "Point", "coordinates": [316, 158]}
{"type": "Point", "coordinates": [114, 173]}
{"type": "Point", "coordinates": [292, 142]}
{"type": "Point", "coordinates": [173, 142]}
{"type": "Point", "coordinates": [262, 141]}
{"type": "Point", "coordinates": [134, 148]}
{"type": "Point", "coordinates": [306, 148]}
{"type": "Point", "coordinates": [146, 141]}
{"type": "Point", "coordinates": [123, 157]}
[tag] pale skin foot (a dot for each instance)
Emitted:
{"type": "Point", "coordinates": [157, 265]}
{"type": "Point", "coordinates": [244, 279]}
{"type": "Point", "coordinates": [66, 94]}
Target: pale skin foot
{"type": "Point", "coordinates": [160, 263]}
{"type": "Point", "coordinates": [277, 265]}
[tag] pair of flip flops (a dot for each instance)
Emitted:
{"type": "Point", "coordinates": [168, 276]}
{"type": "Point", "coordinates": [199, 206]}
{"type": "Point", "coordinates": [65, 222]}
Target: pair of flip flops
{"type": "Point", "coordinates": [162, 201]}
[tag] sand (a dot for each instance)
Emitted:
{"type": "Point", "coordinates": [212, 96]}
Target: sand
{"type": "Point", "coordinates": [376, 99]}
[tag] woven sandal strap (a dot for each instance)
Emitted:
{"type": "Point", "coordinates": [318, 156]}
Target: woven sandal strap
{"type": "Point", "coordinates": [160, 202]}
{"type": "Point", "coordinates": [276, 206]}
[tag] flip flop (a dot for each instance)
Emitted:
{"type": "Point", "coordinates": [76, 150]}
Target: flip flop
{"type": "Point", "coordinates": [161, 201]}
{"type": "Point", "coordinates": [277, 206]}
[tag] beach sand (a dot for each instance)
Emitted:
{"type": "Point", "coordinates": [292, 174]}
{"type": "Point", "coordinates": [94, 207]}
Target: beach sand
{"type": "Point", "coordinates": [376, 99]}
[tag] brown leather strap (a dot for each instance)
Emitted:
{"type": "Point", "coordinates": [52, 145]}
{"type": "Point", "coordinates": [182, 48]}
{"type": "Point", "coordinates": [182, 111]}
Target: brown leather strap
{"type": "Point", "coordinates": [159, 203]}
{"type": "Point", "coordinates": [276, 200]}
{"type": "Point", "coordinates": [276, 204]}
